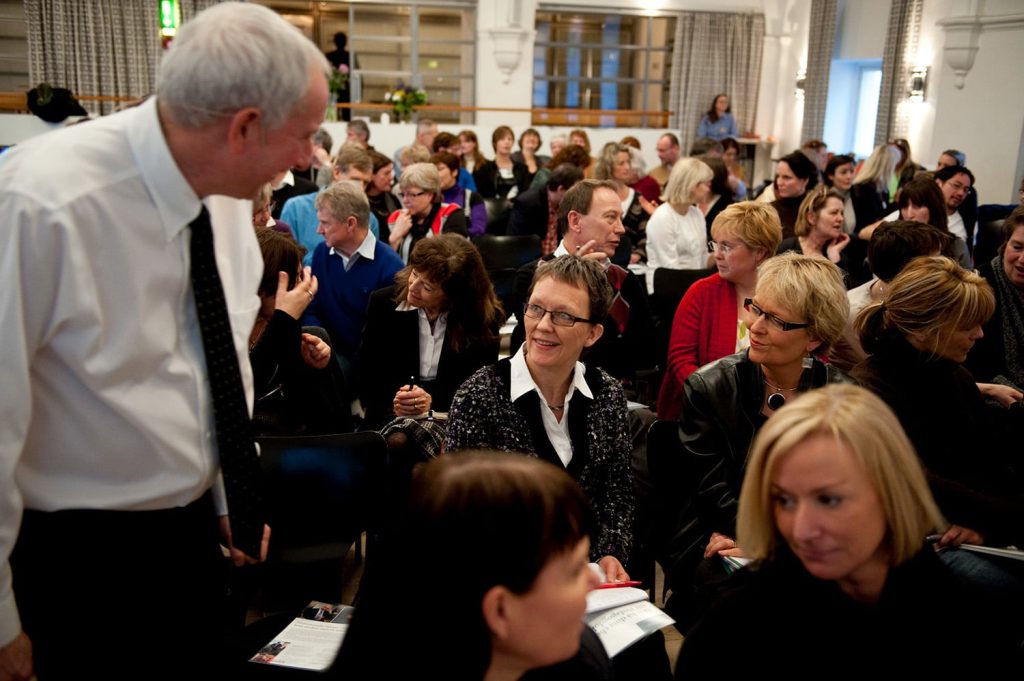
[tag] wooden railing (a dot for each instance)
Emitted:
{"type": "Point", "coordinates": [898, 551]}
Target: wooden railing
{"type": "Point", "coordinates": [17, 102]}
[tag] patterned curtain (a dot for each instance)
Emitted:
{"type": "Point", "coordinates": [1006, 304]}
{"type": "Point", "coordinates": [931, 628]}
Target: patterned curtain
{"type": "Point", "coordinates": [819, 62]}
{"type": "Point", "coordinates": [108, 48]}
{"type": "Point", "coordinates": [715, 53]}
{"type": "Point", "coordinates": [901, 42]}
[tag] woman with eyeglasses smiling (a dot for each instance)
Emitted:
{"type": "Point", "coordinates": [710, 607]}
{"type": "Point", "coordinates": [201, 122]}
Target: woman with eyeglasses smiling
{"type": "Point", "coordinates": [710, 322]}
{"type": "Point", "coordinates": [796, 313]}
{"type": "Point", "coordinates": [544, 402]}
{"type": "Point", "coordinates": [423, 214]}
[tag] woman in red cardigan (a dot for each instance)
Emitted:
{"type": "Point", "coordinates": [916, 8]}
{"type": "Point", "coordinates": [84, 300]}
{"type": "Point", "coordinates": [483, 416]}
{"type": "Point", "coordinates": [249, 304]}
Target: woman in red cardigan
{"type": "Point", "coordinates": [708, 324]}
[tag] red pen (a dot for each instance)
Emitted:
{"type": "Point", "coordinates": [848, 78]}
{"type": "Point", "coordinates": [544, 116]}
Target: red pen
{"type": "Point", "coordinates": [617, 585]}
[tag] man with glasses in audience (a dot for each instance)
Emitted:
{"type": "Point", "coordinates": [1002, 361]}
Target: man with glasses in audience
{"type": "Point", "coordinates": [352, 165]}
{"type": "Point", "coordinates": [957, 185]}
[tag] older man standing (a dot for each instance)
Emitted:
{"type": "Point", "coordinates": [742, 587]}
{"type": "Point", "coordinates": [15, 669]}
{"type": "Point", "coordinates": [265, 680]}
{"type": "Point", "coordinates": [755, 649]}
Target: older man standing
{"type": "Point", "coordinates": [128, 281]}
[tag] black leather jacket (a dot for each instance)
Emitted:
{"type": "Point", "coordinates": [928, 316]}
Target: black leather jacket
{"type": "Point", "coordinates": [721, 413]}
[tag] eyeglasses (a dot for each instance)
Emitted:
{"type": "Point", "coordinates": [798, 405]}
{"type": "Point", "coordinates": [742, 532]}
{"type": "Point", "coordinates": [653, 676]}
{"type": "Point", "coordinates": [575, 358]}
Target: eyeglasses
{"type": "Point", "coordinates": [409, 196]}
{"type": "Point", "coordinates": [714, 246]}
{"type": "Point", "coordinates": [557, 318]}
{"type": "Point", "coordinates": [749, 306]}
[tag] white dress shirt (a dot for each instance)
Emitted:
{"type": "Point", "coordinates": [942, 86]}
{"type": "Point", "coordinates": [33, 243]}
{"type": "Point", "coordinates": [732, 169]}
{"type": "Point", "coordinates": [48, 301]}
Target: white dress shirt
{"type": "Point", "coordinates": [106, 402]}
{"type": "Point", "coordinates": [431, 340]}
{"type": "Point", "coordinates": [557, 431]}
{"type": "Point", "coordinates": [366, 250]}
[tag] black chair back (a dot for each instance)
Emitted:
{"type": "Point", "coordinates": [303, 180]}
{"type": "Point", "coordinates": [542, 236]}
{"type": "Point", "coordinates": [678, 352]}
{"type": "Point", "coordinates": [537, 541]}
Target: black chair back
{"type": "Point", "coordinates": [503, 256]}
{"type": "Point", "coordinates": [321, 492]}
{"type": "Point", "coordinates": [499, 210]}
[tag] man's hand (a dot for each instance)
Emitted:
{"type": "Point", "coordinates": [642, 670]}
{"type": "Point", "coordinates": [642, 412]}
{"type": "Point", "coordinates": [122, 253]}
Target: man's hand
{"type": "Point", "coordinates": [613, 570]}
{"type": "Point", "coordinates": [238, 557]}
{"type": "Point", "coordinates": [16, 659]}
{"type": "Point", "coordinates": [315, 352]}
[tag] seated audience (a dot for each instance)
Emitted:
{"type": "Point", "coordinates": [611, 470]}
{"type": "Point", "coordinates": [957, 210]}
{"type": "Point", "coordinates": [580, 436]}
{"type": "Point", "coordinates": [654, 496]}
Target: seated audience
{"type": "Point", "coordinates": [921, 200]}
{"type": "Point", "coordinates": [646, 188]}
{"type": "Point", "coordinates": [382, 201]}
{"type": "Point", "coordinates": [446, 141]}
{"type": "Point", "coordinates": [797, 312]}
{"type": "Point", "coordinates": [998, 357]}
{"type": "Point", "coordinates": [414, 153]}
{"type": "Point", "coordinates": [710, 322]}
{"type": "Point", "coordinates": [529, 145]}
{"type": "Point", "coordinates": [817, 152]}
{"type": "Point", "coordinates": [423, 214]}
{"type": "Point", "coordinates": [720, 196]}
{"type": "Point", "coordinates": [296, 390]}
{"type": "Point", "coordinates": [614, 166]}
{"type": "Point", "coordinates": [917, 338]}
{"type": "Point", "coordinates": [502, 178]}
{"type": "Point", "coordinates": [819, 229]}
{"type": "Point", "coordinates": [676, 234]}
{"type": "Point", "coordinates": [543, 402]}
{"type": "Point", "coordinates": [572, 154]}
{"type": "Point", "coordinates": [839, 178]}
{"type": "Point", "coordinates": [352, 164]}
{"type": "Point", "coordinates": [870, 190]}
{"type": "Point", "coordinates": [906, 169]}
{"type": "Point", "coordinates": [795, 175]}
{"type": "Point", "coordinates": [535, 211]}
{"type": "Point", "coordinates": [318, 170]}
{"type": "Point", "coordinates": [557, 143]}
{"type": "Point", "coordinates": [589, 217]}
{"type": "Point", "coordinates": [263, 208]}
{"type": "Point", "coordinates": [892, 246]}
{"type": "Point", "coordinates": [668, 153]}
{"type": "Point", "coordinates": [579, 137]}
{"type": "Point", "coordinates": [358, 132]}
{"type": "Point", "coordinates": [469, 201]}
{"type": "Point", "coordinates": [471, 156]}
{"type": "Point", "coordinates": [426, 131]}
{"type": "Point", "coordinates": [428, 333]}
{"type": "Point", "coordinates": [834, 515]}
{"type": "Point", "coordinates": [718, 123]}
{"type": "Point", "coordinates": [512, 537]}
{"type": "Point", "coordinates": [349, 264]}
{"type": "Point", "coordinates": [730, 156]}
{"type": "Point", "coordinates": [957, 183]}
{"type": "Point", "coordinates": [286, 185]}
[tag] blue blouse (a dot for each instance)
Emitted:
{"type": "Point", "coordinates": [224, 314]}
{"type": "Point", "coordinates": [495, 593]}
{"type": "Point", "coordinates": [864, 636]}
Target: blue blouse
{"type": "Point", "coordinates": [724, 127]}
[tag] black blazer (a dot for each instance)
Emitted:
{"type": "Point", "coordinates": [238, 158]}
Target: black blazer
{"type": "Point", "coordinates": [287, 191]}
{"type": "Point", "coordinates": [486, 178]}
{"type": "Point", "coordinates": [389, 356]}
{"type": "Point", "coordinates": [530, 213]}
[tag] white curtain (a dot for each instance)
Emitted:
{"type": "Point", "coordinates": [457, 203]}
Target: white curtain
{"type": "Point", "coordinates": [819, 62]}
{"type": "Point", "coordinates": [107, 48]}
{"type": "Point", "coordinates": [713, 53]}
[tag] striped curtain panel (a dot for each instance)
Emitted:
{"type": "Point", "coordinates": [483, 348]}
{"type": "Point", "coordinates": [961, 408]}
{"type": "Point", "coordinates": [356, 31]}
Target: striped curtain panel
{"type": "Point", "coordinates": [819, 62]}
{"type": "Point", "coordinates": [98, 47]}
{"type": "Point", "coordinates": [714, 53]}
{"type": "Point", "coordinates": [901, 42]}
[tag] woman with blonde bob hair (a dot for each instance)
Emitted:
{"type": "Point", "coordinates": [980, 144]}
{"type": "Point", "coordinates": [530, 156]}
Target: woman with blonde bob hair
{"type": "Point", "coordinates": [819, 228]}
{"type": "Point", "coordinates": [834, 514]}
{"type": "Point", "coordinates": [917, 338]}
{"type": "Point", "coordinates": [796, 313]}
{"type": "Point", "coordinates": [676, 232]}
{"type": "Point", "coordinates": [423, 214]}
{"type": "Point", "coordinates": [710, 322]}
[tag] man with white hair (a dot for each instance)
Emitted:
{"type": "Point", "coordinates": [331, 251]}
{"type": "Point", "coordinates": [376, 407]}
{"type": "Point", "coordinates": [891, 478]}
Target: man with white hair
{"type": "Point", "coordinates": [426, 131]}
{"type": "Point", "coordinates": [129, 277]}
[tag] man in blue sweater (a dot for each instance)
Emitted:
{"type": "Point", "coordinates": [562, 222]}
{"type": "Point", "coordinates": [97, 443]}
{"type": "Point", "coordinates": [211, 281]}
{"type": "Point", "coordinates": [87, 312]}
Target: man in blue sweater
{"type": "Point", "coordinates": [349, 264]}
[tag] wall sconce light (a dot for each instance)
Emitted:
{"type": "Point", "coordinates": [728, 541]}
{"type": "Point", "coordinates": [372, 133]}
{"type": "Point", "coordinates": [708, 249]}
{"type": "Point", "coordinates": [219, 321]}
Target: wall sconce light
{"type": "Point", "coordinates": [801, 81]}
{"type": "Point", "coordinates": [918, 82]}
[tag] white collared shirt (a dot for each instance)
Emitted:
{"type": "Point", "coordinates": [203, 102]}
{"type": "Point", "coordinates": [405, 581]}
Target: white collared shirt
{"type": "Point", "coordinates": [365, 250]}
{"type": "Point", "coordinates": [431, 340]}
{"type": "Point", "coordinates": [562, 250]}
{"type": "Point", "coordinates": [106, 402]}
{"type": "Point", "coordinates": [557, 431]}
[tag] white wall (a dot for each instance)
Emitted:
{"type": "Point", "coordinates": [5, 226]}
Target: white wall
{"type": "Point", "coordinates": [854, 38]}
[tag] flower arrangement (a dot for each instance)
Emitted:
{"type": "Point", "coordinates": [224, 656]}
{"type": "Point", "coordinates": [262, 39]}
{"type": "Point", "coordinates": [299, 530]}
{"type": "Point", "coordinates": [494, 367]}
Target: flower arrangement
{"type": "Point", "coordinates": [339, 79]}
{"type": "Point", "coordinates": [404, 99]}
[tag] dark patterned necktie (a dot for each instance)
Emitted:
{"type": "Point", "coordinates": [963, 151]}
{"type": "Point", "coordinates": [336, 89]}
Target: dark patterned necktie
{"type": "Point", "coordinates": [620, 307]}
{"type": "Point", "coordinates": [238, 459]}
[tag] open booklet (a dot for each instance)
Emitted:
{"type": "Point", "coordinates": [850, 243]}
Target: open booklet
{"type": "Point", "coordinates": [621, 617]}
{"type": "Point", "coordinates": [312, 639]}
